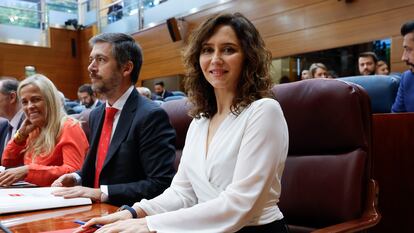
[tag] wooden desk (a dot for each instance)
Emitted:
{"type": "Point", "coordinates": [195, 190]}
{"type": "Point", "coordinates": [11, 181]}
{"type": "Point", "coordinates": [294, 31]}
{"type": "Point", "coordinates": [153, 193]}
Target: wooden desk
{"type": "Point", "coordinates": [54, 219]}
{"type": "Point", "coordinates": [393, 164]}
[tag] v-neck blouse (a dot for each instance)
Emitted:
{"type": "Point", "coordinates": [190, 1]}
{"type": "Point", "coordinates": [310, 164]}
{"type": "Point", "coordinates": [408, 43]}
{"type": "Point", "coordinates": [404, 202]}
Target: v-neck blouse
{"type": "Point", "coordinates": [236, 184]}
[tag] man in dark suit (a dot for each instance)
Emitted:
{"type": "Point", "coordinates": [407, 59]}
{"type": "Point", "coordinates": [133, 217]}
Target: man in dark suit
{"type": "Point", "coordinates": [140, 156]}
{"type": "Point", "coordinates": [161, 91]}
{"type": "Point", "coordinates": [87, 97]}
{"type": "Point", "coordinates": [10, 109]}
{"type": "Point", "coordinates": [4, 125]}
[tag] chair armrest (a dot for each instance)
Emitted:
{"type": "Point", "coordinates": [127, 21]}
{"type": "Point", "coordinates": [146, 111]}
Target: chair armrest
{"type": "Point", "coordinates": [369, 218]}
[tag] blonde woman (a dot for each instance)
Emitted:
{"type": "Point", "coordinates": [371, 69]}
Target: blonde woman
{"type": "Point", "coordinates": [318, 70]}
{"type": "Point", "coordinates": [49, 143]}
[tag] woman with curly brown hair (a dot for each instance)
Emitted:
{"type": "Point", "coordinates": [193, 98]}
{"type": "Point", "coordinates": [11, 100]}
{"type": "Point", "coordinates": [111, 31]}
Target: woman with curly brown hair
{"type": "Point", "coordinates": [236, 146]}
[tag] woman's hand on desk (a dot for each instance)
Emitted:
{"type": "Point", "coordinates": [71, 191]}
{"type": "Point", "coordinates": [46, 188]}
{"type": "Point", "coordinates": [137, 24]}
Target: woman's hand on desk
{"type": "Point", "coordinates": [117, 216]}
{"type": "Point", "coordinates": [79, 191]}
{"type": "Point", "coordinates": [130, 225]}
{"type": "Point", "coordinates": [13, 175]}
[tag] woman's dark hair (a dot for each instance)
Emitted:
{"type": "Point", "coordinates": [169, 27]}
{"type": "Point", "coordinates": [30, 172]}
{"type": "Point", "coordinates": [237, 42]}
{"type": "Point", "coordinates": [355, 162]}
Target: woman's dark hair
{"type": "Point", "coordinates": [255, 82]}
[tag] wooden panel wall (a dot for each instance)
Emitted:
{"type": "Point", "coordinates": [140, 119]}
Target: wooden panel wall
{"type": "Point", "coordinates": [84, 36]}
{"type": "Point", "coordinates": [56, 62]}
{"type": "Point", "coordinates": [291, 27]}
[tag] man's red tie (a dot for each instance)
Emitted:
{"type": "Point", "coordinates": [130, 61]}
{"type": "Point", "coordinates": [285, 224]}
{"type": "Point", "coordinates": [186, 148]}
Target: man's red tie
{"type": "Point", "coordinates": [104, 142]}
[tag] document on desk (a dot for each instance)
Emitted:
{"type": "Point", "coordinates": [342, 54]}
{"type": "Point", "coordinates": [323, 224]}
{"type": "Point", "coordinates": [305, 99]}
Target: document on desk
{"type": "Point", "coordinates": [27, 199]}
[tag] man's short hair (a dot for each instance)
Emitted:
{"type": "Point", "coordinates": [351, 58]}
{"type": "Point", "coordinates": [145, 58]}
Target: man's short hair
{"type": "Point", "coordinates": [369, 54]}
{"type": "Point", "coordinates": [161, 83]}
{"type": "Point", "coordinates": [9, 85]}
{"type": "Point", "coordinates": [86, 88]}
{"type": "Point", "coordinates": [124, 49]}
{"type": "Point", "coordinates": [407, 28]}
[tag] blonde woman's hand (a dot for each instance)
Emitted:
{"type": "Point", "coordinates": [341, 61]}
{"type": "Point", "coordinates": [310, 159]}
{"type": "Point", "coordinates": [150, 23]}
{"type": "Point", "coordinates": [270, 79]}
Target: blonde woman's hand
{"type": "Point", "coordinates": [27, 127]}
{"type": "Point", "coordinates": [13, 175]}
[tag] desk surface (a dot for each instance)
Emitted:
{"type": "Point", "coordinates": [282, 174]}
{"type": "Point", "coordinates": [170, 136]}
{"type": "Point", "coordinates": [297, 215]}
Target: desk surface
{"type": "Point", "coordinates": [54, 219]}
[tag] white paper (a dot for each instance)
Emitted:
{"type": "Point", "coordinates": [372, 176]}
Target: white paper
{"type": "Point", "coordinates": [27, 199]}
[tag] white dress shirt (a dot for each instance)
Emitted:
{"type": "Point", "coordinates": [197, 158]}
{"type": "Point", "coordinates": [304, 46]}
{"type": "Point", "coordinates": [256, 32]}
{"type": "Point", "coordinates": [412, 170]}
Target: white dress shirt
{"type": "Point", "coordinates": [235, 184]}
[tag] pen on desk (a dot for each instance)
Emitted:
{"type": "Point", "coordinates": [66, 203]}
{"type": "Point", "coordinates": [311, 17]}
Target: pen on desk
{"type": "Point", "coordinates": [83, 223]}
{"type": "Point", "coordinates": [4, 229]}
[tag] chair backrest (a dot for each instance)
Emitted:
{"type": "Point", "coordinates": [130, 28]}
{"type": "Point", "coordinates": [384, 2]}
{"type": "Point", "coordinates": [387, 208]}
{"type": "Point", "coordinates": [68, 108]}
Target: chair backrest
{"type": "Point", "coordinates": [328, 165]}
{"type": "Point", "coordinates": [177, 112]}
{"type": "Point", "coordinates": [159, 102]}
{"type": "Point", "coordinates": [174, 97]}
{"type": "Point", "coordinates": [382, 89]}
{"type": "Point", "coordinates": [83, 117]}
{"type": "Point", "coordinates": [178, 93]}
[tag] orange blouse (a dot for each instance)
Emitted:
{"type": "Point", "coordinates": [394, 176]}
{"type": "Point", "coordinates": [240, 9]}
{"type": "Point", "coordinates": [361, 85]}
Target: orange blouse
{"type": "Point", "coordinates": [66, 157]}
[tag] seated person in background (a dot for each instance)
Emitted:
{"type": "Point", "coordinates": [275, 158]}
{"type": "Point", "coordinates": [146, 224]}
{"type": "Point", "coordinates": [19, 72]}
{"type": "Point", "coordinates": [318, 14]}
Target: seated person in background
{"type": "Point", "coordinates": [10, 109]}
{"type": "Point", "coordinates": [114, 13]}
{"type": "Point", "coordinates": [66, 108]}
{"type": "Point", "coordinates": [132, 141]}
{"type": "Point", "coordinates": [284, 79]}
{"type": "Point", "coordinates": [230, 173]}
{"type": "Point", "coordinates": [161, 91]}
{"type": "Point", "coordinates": [318, 70]}
{"type": "Point", "coordinates": [404, 102]}
{"type": "Point", "coordinates": [367, 62]}
{"type": "Point", "coordinates": [382, 68]}
{"type": "Point", "coordinates": [87, 96]}
{"type": "Point", "coordinates": [48, 143]}
{"type": "Point", "coordinates": [144, 91]}
{"type": "Point", "coordinates": [304, 74]}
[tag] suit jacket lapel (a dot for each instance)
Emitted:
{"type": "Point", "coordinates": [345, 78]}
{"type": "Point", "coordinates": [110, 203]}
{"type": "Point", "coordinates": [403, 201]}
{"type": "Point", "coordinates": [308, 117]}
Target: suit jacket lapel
{"type": "Point", "coordinates": [123, 126]}
{"type": "Point", "coordinates": [21, 121]}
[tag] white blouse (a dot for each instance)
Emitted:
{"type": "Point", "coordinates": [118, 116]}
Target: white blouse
{"type": "Point", "coordinates": [235, 184]}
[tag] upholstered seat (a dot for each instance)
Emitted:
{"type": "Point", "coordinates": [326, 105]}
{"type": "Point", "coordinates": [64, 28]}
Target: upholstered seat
{"type": "Point", "coordinates": [326, 177]}
{"type": "Point", "coordinates": [177, 111]}
{"type": "Point", "coordinates": [174, 97]}
{"type": "Point", "coordinates": [381, 89]}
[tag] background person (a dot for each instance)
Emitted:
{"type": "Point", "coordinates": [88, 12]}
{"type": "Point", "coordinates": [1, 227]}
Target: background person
{"type": "Point", "coordinates": [404, 102]}
{"type": "Point", "coordinates": [10, 109]}
{"type": "Point", "coordinates": [48, 143]}
{"type": "Point", "coordinates": [382, 68]}
{"type": "Point", "coordinates": [367, 63]}
{"type": "Point", "coordinates": [304, 74]}
{"type": "Point", "coordinates": [144, 91]}
{"type": "Point", "coordinates": [87, 96]}
{"type": "Point", "coordinates": [318, 70]}
{"type": "Point", "coordinates": [160, 90]}
{"type": "Point", "coordinates": [229, 176]}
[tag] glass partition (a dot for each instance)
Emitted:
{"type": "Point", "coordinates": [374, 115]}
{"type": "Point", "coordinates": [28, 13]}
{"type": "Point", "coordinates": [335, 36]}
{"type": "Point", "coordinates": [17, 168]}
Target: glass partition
{"type": "Point", "coordinates": [130, 16]}
{"type": "Point", "coordinates": [340, 62]}
{"type": "Point", "coordinates": [88, 12]}
{"type": "Point", "coordinates": [60, 11]}
{"type": "Point", "coordinates": [23, 22]}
